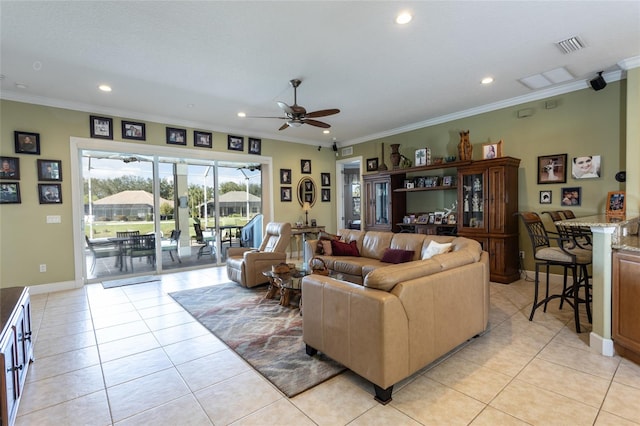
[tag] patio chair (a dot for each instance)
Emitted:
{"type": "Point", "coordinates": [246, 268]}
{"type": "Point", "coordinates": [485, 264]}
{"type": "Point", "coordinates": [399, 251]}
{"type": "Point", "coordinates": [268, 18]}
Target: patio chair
{"type": "Point", "coordinates": [142, 246]}
{"type": "Point", "coordinates": [172, 244]}
{"type": "Point", "coordinates": [207, 241]}
{"type": "Point", "coordinates": [100, 250]}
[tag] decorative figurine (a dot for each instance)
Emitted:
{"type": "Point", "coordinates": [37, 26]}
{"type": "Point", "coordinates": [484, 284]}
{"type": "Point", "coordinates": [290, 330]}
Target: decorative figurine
{"type": "Point", "coordinates": [464, 147]}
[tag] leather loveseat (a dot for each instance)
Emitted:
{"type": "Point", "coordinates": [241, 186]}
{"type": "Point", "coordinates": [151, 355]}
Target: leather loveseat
{"type": "Point", "coordinates": [403, 316]}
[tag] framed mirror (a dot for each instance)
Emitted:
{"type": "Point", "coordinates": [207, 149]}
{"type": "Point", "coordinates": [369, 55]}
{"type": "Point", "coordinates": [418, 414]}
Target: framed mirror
{"type": "Point", "coordinates": [307, 191]}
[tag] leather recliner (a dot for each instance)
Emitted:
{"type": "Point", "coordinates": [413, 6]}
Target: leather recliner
{"type": "Point", "coordinates": [245, 266]}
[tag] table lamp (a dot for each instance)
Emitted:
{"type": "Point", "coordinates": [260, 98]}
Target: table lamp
{"type": "Point", "coordinates": [306, 207]}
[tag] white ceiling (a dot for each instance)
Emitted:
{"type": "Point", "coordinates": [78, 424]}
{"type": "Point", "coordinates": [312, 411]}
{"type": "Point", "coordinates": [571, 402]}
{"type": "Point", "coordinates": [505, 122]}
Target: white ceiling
{"type": "Point", "coordinates": [199, 63]}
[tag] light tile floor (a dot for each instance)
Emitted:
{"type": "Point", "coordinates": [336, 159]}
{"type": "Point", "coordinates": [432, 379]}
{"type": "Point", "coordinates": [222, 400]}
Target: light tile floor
{"type": "Point", "coordinates": [132, 356]}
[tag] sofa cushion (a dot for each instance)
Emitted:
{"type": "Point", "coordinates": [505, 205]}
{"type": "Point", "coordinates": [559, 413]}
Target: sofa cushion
{"type": "Point", "coordinates": [397, 256]}
{"type": "Point", "coordinates": [375, 243]}
{"type": "Point", "coordinates": [344, 249]}
{"type": "Point", "coordinates": [354, 265]}
{"type": "Point", "coordinates": [406, 241]}
{"type": "Point", "coordinates": [434, 248]}
{"type": "Point", "coordinates": [386, 278]}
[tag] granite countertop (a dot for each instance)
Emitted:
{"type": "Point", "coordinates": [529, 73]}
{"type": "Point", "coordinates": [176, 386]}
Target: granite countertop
{"type": "Point", "coordinates": [629, 242]}
{"type": "Point", "coordinates": [624, 237]}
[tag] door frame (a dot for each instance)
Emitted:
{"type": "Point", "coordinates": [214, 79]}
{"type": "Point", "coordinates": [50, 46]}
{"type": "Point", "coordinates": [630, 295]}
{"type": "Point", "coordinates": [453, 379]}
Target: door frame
{"type": "Point", "coordinates": [340, 166]}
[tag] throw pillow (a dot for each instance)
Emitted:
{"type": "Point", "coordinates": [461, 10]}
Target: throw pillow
{"type": "Point", "coordinates": [324, 241]}
{"type": "Point", "coordinates": [344, 249]}
{"type": "Point", "coordinates": [327, 236]}
{"type": "Point", "coordinates": [435, 248]}
{"type": "Point", "coordinates": [397, 256]}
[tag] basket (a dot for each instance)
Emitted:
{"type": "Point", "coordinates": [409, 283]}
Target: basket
{"type": "Point", "coordinates": [318, 266]}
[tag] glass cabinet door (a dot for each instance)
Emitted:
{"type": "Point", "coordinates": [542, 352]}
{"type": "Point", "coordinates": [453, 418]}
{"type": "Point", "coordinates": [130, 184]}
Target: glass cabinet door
{"type": "Point", "coordinates": [382, 203]}
{"type": "Point", "coordinates": [473, 200]}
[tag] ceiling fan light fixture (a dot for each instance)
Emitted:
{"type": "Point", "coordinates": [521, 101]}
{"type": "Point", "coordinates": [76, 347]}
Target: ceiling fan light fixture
{"type": "Point", "coordinates": [294, 123]}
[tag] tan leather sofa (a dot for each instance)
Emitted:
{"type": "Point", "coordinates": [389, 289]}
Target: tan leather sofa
{"type": "Point", "coordinates": [404, 316]}
{"type": "Point", "coordinates": [246, 265]}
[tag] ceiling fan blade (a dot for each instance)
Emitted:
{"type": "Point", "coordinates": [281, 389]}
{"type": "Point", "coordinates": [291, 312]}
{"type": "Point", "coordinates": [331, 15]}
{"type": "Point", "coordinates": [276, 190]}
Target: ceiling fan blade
{"type": "Point", "coordinates": [316, 123]}
{"type": "Point", "coordinates": [284, 126]}
{"type": "Point", "coordinates": [323, 113]}
{"type": "Point", "coordinates": [286, 108]}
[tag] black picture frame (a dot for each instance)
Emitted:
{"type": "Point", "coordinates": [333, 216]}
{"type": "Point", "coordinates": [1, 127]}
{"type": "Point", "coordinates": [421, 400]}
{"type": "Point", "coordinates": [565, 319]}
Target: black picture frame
{"type": "Point", "coordinates": [546, 197]}
{"type": "Point", "coordinates": [202, 139]}
{"type": "Point", "coordinates": [176, 136]}
{"type": "Point", "coordinates": [325, 195]}
{"type": "Point", "coordinates": [552, 169]}
{"type": "Point", "coordinates": [235, 143]}
{"type": "Point", "coordinates": [372, 164]}
{"type": "Point", "coordinates": [305, 167]}
{"type": "Point", "coordinates": [255, 146]}
{"type": "Point", "coordinates": [50, 170]}
{"type": "Point", "coordinates": [133, 130]}
{"type": "Point", "coordinates": [325, 179]}
{"type": "Point", "coordinates": [26, 142]}
{"type": "Point", "coordinates": [101, 127]}
{"type": "Point", "coordinates": [285, 194]}
{"type": "Point", "coordinates": [285, 176]}
{"type": "Point", "coordinates": [50, 193]}
{"type": "Point", "coordinates": [571, 196]}
{"type": "Point", "coordinates": [10, 193]}
{"type": "Point", "coordinates": [10, 168]}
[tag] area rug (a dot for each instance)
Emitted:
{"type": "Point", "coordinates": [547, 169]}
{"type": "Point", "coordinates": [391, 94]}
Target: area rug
{"type": "Point", "coordinates": [130, 281]}
{"type": "Point", "coordinates": [267, 335]}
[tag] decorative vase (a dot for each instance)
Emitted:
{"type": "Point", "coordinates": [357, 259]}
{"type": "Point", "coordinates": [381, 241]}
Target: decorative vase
{"type": "Point", "coordinates": [382, 166]}
{"type": "Point", "coordinates": [395, 155]}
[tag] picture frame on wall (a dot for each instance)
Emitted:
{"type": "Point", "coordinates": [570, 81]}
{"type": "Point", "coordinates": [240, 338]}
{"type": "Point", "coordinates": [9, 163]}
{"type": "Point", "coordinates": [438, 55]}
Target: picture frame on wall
{"type": "Point", "coordinates": [305, 167]}
{"type": "Point", "coordinates": [571, 196]}
{"type": "Point", "coordinates": [545, 197]}
{"type": "Point", "coordinates": [325, 179]}
{"type": "Point", "coordinates": [325, 195]}
{"type": "Point", "coordinates": [616, 203]}
{"type": "Point", "coordinates": [26, 142]}
{"type": "Point", "coordinates": [101, 127]}
{"type": "Point", "coordinates": [134, 131]}
{"type": "Point", "coordinates": [235, 143]}
{"type": "Point", "coordinates": [50, 193]}
{"type": "Point", "coordinates": [372, 164]}
{"type": "Point", "coordinates": [255, 146]}
{"type": "Point", "coordinates": [50, 170]}
{"type": "Point", "coordinates": [202, 139]}
{"type": "Point", "coordinates": [10, 168]}
{"type": "Point", "coordinates": [176, 136]}
{"type": "Point", "coordinates": [552, 169]}
{"type": "Point", "coordinates": [285, 176]}
{"type": "Point", "coordinates": [285, 193]}
{"type": "Point", "coordinates": [10, 193]}
{"type": "Point", "coordinates": [585, 167]}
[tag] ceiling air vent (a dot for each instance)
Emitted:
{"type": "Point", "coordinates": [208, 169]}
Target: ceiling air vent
{"type": "Point", "coordinates": [569, 45]}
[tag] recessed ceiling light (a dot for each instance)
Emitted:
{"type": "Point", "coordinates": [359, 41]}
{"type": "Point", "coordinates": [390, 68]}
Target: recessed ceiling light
{"type": "Point", "coordinates": [104, 88]}
{"type": "Point", "coordinates": [487, 80]}
{"type": "Point", "coordinates": [326, 132]}
{"type": "Point", "coordinates": [242, 114]}
{"type": "Point", "coordinates": [21, 86]}
{"type": "Point", "coordinates": [403, 18]}
{"type": "Point", "coordinates": [190, 105]}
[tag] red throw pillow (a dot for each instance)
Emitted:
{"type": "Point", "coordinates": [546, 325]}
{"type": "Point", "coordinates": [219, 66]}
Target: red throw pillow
{"type": "Point", "coordinates": [340, 248]}
{"type": "Point", "coordinates": [397, 256]}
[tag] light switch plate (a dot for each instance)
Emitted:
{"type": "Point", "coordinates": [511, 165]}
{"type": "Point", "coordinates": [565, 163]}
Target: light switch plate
{"type": "Point", "coordinates": [54, 219]}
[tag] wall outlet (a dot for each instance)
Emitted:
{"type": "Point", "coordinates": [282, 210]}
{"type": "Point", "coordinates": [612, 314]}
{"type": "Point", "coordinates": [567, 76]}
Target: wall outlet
{"type": "Point", "coordinates": [522, 254]}
{"type": "Point", "coordinates": [43, 267]}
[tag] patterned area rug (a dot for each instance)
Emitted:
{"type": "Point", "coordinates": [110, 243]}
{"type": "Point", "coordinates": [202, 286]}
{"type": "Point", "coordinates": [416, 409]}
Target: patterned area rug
{"type": "Point", "coordinates": [268, 336]}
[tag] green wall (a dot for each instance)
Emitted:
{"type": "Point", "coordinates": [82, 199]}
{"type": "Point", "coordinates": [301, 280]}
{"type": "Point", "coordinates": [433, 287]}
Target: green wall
{"type": "Point", "coordinates": [583, 123]}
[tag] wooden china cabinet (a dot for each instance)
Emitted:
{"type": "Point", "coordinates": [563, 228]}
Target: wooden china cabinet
{"type": "Point", "coordinates": [487, 203]}
{"type": "Point", "coordinates": [384, 207]}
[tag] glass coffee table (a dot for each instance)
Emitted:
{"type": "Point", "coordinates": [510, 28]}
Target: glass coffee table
{"type": "Point", "coordinates": [286, 286]}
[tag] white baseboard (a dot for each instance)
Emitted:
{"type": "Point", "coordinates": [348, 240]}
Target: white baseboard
{"type": "Point", "coordinates": [600, 345]}
{"type": "Point", "coordinates": [53, 287]}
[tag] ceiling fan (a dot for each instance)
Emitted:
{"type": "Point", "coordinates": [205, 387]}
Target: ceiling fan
{"type": "Point", "coordinates": [297, 115]}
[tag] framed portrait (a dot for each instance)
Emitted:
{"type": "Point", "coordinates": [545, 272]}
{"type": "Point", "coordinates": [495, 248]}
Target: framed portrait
{"type": "Point", "coordinates": [305, 167]}
{"type": "Point", "coordinates": [447, 180]}
{"type": "Point", "coordinates": [235, 143]}
{"type": "Point", "coordinates": [325, 195]}
{"type": "Point", "coordinates": [255, 146]}
{"type": "Point", "coordinates": [285, 193]}
{"type": "Point", "coordinates": [27, 143]}
{"type": "Point", "coordinates": [285, 176]}
{"type": "Point", "coordinates": [432, 218]}
{"type": "Point", "coordinates": [10, 193]}
{"type": "Point", "coordinates": [101, 127]}
{"type": "Point", "coordinates": [616, 205]}
{"type": "Point", "coordinates": [202, 139]}
{"type": "Point", "coordinates": [585, 167]}
{"type": "Point", "coordinates": [372, 164]}
{"type": "Point", "coordinates": [176, 136]}
{"type": "Point", "coordinates": [50, 170]}
{"type": "Point", "coordinates": [552, 169]}
{"type": "Point", "coordinates": [545, 197]}
{"type": "Point", "coordinates": [423, 218]}
{"type": "Point", "coordinates": [451, 219]}
{"type": "Point", "coordinates": [132, 130]}
{"type": "Point", "coordinates": [571, 196]}
{"type": "Point", "coordinates": [50, 193]}
{"type": "Point", "coordinates": [421, 157]}
{"type": "Point", "coordinates": [492, 150]}
{"type": "Point", "coordinates": [325, 179]}
{"type": "Point", "coordinates": [10, 168]}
